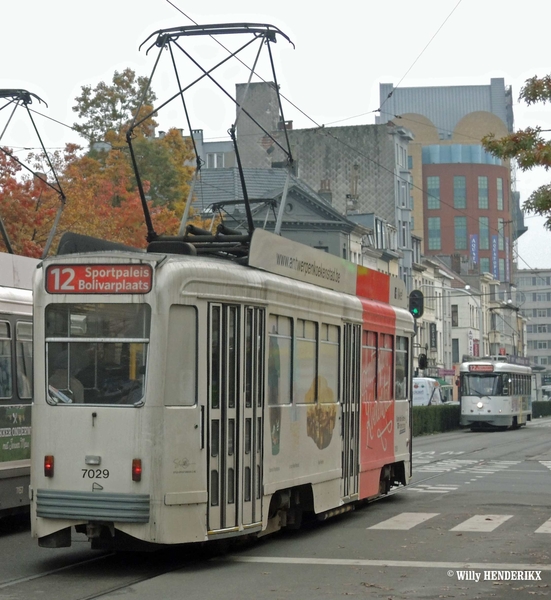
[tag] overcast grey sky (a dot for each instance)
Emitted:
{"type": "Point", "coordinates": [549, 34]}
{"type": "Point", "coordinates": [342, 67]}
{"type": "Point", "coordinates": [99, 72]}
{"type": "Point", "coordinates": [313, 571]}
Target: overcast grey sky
{"type": "Point", "coordinates": [343, 51]}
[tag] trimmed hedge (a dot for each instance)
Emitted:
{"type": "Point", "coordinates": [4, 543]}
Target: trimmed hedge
{"type": "Point", "coordinates": [541, 409]}
{"type": "Point", "coordinates": [435, 419]}
{"type": "Point", "coordinates": [445, 417]}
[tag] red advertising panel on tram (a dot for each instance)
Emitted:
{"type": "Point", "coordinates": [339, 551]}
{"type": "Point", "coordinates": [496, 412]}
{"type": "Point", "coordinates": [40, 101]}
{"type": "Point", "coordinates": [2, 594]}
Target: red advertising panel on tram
{"type": "Point", "coordinates": [377, 411]}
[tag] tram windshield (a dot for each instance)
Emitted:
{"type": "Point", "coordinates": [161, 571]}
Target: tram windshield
{"type": "Point", "coordinates": [97, 353]}
{"type": "Point", "coordinates": [482, 385]}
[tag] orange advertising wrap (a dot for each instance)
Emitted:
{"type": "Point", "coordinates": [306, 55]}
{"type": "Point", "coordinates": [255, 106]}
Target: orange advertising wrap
{"type": "Point", "coordinates": [377, 419]}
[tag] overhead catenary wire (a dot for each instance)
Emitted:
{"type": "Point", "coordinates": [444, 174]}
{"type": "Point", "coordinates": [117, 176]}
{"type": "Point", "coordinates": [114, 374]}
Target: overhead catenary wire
{"type": "Point", "coordinates": [424, 49]}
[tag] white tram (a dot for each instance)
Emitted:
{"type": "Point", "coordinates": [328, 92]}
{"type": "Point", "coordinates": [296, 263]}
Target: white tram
{"type": "Point", "coordinates": [185, 398]}
{"type": "Point", "coordinates": [16, 377]}
{"type": "Point", "coordinates": [496, 392]}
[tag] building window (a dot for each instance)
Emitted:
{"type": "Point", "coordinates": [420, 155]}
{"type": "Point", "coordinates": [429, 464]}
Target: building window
{"type": "Point", "coordinates": [434, 233]}
{"type": "Point", "coordinates": [499, 193]}
{"type": "Point", "coordinates": [541, 329]}
{"type": "Point", "coordinates": [455, 316]}
{"type": "Point", "coordinates": [500, 233]}
{"type": "Point", "coordinates": [404, 229]}
{"type": "Point", "coordinates": [460, 230]}
{"type": "Point", "coordinates": [433, 192]}
{"type": "Point", "coordinates": [482, 192]}
{"type": "Point", "coordinates": [215, 160]}
{"type": "Point", "coordinates": [484, 265]}
{"type": "Point", "coordinates": [455, 350]}
{"type": "Point", "coordinates": [484, 233]}
{"type": "Point", "coordinates": [459, 192]}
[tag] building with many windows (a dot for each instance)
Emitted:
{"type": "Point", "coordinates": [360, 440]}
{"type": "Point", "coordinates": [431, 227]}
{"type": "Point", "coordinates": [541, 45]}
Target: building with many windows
{"type": "Point", "coordinates": [464, 204]}
{"type": "Point", "coordinates": [534, 300]}
{"type": "Point", "coordinates": [360, 170]}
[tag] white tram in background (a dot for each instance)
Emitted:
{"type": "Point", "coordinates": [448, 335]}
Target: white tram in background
{"type": "Point", "coordinates": [16, 375]}
{"type": "Point", "coordinates": [496, 392]}
{"type": "Point", "coordinates": [185, 398]}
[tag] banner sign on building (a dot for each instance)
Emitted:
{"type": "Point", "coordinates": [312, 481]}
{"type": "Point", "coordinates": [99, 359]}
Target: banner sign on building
{"type": "Point", "coordinates": [495, 262]}
{"type": "Point", "coordinates": [473, 245]}
{"type": "Point", "coordinates": [433, 336]}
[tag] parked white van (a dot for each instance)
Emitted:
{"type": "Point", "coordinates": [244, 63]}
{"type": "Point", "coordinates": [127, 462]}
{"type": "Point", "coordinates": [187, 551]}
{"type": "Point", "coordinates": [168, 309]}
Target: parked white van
{"type": "Point", "coordinates": [426, 392]}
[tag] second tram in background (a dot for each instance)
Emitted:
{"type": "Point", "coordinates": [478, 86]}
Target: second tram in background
{"type": "Point", "coordinates": [189, 398]}
{"type": "Point", "coordinates": [496, 392]}
{"type": "Point", "coordinates": [16, 375]}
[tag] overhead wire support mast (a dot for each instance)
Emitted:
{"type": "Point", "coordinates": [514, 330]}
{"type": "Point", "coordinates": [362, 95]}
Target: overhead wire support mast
{"type": "Point", "coordinates": [19, 97]}
{"type": "Point", "coordinates": [165, 38]}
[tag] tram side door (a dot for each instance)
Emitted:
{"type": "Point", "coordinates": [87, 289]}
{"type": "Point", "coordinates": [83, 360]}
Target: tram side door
{"type": "Point", "coordinates": [234, 413]}
{"type": "Point", "coordinates": [351, 409]}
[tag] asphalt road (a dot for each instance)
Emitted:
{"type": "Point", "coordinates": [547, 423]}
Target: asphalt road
{"type": "Point", "coordinates": [476, 518]}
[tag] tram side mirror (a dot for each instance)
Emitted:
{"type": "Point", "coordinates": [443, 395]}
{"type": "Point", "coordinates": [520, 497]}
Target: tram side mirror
{"type": "Point", "coordinates": [423, 362]}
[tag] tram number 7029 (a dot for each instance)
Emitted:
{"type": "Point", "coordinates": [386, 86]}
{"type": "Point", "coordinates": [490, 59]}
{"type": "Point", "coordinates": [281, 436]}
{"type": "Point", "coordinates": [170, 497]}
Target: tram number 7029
{"type": "Point", "coordinates": [95, 473]}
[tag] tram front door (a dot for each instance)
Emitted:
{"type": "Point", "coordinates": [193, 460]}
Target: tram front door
{"type": "Point", "coordinates": [236, 398]}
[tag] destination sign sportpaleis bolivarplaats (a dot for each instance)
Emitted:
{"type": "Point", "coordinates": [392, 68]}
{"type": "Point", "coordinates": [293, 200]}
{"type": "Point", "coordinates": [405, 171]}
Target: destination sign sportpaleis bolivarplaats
{"type": "Point", "coordinates": [99, 279]}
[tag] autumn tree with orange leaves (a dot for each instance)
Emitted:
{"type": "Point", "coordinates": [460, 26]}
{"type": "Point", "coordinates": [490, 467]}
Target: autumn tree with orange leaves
{"type": "Point", "coordinates": [99, 186]}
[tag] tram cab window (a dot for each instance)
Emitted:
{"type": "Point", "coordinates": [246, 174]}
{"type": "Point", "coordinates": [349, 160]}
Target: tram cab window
{"type": "Point", "coordinates": [6, 384]}
{"type": "Point", "coordinates": [24, 358]}
{"type": "Point", "coordinates": [481, 385]}
{"type": "Point", "coordinates": [97, 353]}
{"type": "Point", "coordinates": [506, 384]}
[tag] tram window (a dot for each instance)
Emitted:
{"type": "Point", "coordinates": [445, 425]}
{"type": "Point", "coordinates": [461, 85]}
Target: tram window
{"type": "Point", "coordinates": [505, 387]}
{"type": "Point", "coordinates": [401, 368]}
{"type": "Point", "coordinates": [97, 353]}
{"type": "Point", "coordinates": [6, 385]}
{"type": "Point", "coordinates": [231, 357]}
{"type": "Point", "coordinates": [215, 357]}
{"type": "Point", "coordinates": [385, 367]}
{"type": "Point", "coordinates": [369, 366]}
{"type": "Point", "coordinates": [280, 356]}
{"type": "Point", "coordinates": [306, 367]}
{"type": "Point", "coordinates": [24, 358]}
{"type": "Point", "coordinates": [328, 380]}
{"type": "Point", "coordinates": [181, 363]}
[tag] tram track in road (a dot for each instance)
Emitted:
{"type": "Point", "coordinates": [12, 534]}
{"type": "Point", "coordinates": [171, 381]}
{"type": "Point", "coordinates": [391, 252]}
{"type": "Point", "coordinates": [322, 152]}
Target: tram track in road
{"type": "Point", "coordinates": [102, 575]}
{"type": "Point", "coordinates": [492, 443]}
{"type": "Point", "coordinates": [529, 451]}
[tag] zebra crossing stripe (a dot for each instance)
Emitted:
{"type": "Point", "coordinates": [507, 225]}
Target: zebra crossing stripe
{"type": "Point", "coordinates": [432, 489]}
{"type": "Point", "coordinates": [478, 523]}
{"type": "Point", "coordinates": [404, 521]}
{"type": "Point", "coordinates": [482, 523]}
{"type": "Point", "coordinates": [545, 528]}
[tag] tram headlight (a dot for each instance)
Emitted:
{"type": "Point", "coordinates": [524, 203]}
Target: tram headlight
{"type": "Point", "coordinates": [479, 405]}
{"type": "Point", "coordinates": [49, 465]}
{"type": "Point", "coordinates": [136, 469]}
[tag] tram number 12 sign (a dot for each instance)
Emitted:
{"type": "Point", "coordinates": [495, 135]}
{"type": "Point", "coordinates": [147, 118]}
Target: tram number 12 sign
{"type": "Point", "coordinates": [99, 279]}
